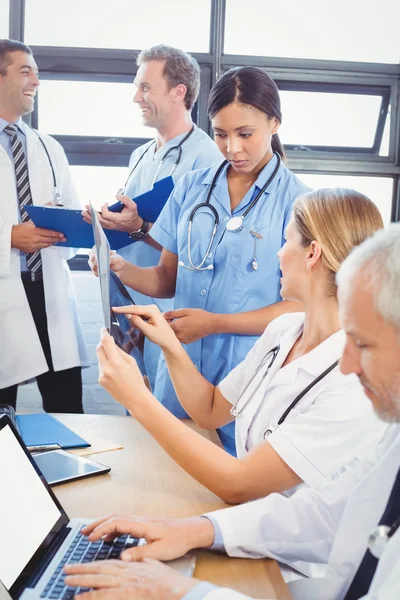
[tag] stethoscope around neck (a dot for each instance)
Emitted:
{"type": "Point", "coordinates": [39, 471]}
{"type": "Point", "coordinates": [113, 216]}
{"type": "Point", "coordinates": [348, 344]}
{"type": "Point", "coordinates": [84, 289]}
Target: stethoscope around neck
{"type": "Point", "coordinates": [236, 409]}
{"type": "Point", "coordinates": [56, 194]}
{"type": "Point", "coordinates": [177, 148]}
{"type": "Point", "coordinates": [380, 537]}
{"type": "Point", "coordinates": [234, 224]}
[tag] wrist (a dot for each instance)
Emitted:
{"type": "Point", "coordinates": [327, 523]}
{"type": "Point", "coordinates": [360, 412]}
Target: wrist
{"type": "Point", "coordinates": [201, 533]}
{"type": "Point", "coordinates": [172, 347]}
{"type": "Point", "coordinates": [122, 271]}
{"type": "Point", "coordinates": [140, 403]}
{"type": "Point", "coordinates": [182, 587]}
{"type": "Point", "coordinates": [215, 323]}
{"type": "Point", "coordinates": [136, 224]}
{"type": "Point", "coordinates": [141, 232]}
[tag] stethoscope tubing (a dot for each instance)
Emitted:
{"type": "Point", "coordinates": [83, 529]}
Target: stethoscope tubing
{"type": "Point", "coordinates": [235, 411]}
{"type": "Point", "coordinates": [207, 204]}
{"type": "Point", "coordinates": [48, 157]}
{"type": "Point", "coordinates": [178, 147]}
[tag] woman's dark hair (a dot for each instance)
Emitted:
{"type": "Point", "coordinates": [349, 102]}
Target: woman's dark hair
{"type": "Point", "coordinates": [248, 85]}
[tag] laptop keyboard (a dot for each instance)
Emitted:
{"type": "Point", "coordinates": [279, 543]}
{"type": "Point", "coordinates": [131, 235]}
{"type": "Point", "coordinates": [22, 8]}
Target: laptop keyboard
{"type": "Point", "coordinates": [83, 551]}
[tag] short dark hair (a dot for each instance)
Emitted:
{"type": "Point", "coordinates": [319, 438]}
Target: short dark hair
{"type": "Point", "coordinates": [252, 86]}
{"type": "Point", "coordinates": [180, 67]}
{"type": "Point", "coordinates": [8, 47]}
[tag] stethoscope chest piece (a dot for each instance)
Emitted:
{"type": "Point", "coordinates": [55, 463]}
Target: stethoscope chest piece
{"type": "Point", "coordinates": [235, 224]}
{"type": "Point", "coordinates": [378, 540]}
{"type": "Point", "coordinates": [268, 432]}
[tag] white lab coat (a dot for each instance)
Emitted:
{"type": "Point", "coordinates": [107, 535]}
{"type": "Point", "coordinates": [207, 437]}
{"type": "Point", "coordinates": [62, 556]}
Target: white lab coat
{"type": "Point", "coordinates": [22, 354]}
{"type": "Point", "coordinates": [332, 524]}
{"type": "Point", "coordinates": [330, 428]}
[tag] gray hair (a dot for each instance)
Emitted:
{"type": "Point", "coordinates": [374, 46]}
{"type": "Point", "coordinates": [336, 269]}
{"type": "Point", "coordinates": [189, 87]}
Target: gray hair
{"type": "Point", "coordinates": [377, 260]}
{"type": "Point", "coordinates": [179, 68]}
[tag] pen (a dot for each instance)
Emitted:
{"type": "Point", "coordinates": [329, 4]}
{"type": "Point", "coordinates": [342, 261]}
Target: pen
{"type": "Point", "coordinates": [43, 448]}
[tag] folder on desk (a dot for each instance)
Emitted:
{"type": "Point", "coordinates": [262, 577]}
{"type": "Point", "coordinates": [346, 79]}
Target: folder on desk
{"type": "Point", "coordinates": [69, 222]}
{"type": "Point", "coordinates": [45, 430]}
{"type": "Point", "coordinates": [151, 203]}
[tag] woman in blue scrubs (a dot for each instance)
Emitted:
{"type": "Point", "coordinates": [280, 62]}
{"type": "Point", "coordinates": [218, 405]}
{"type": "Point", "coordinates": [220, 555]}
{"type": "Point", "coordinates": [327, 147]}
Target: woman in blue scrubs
{"type": "Point", "coordinates": [236, 270]}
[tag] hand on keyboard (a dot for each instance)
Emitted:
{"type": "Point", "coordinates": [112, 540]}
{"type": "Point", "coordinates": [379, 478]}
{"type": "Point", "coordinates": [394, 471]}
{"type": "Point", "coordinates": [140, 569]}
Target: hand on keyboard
{"type": "Point", "coordinates": [166, 538]}
{"type": "Point", "coordinates": [117, 580]}
{"type": "Point", "coordinates": [82, 550]}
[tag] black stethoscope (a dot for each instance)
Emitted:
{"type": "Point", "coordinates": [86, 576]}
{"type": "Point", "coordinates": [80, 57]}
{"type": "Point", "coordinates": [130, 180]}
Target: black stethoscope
{"type": "Point", "coordinates": [380, 537]}
{"type": "Point", "coordinates": [236, 410]}
{"type": "Point", "coordinates": [234, 224]}
{"type": "Point", "coordinates": [177, 148]}
{"type": "Point", "coordinates": [56, 194]}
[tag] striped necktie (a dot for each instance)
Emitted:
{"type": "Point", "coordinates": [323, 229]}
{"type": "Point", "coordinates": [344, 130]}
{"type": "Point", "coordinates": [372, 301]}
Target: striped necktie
{"type": "Point", "coordinates": [33, 259]}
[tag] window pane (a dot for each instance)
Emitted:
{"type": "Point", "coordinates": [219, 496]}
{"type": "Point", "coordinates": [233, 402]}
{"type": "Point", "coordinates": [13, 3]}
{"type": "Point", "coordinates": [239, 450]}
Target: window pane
{"type": "Point", "coordinates": [378, 189]}
{"type": "Point", "coordinates": [384, 151]}
{"type": "Point", "coordinates": [4, 18]}
{"type": "Point", "coordinates": [90, 108]}
{"type": "Point", "coordinates": [97, 185]}
{"type": "Point", "coordinates": [118, 24]}
{"type": "Point", "coordinates": [328, 119]}
{"type": "Point", "coordinates": [353, 30]}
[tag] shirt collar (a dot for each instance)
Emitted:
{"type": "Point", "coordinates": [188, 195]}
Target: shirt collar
{"type": "Point", "coordinates": [314, 363]}
{"type": "Point", "coordinates": [321, 357]}
{"type": "Point", "coordinates": [18, 123]}
{"type": "Point", "coordinates": [174, 142]}
{"type": "Point", "coordinates": [261, 179]}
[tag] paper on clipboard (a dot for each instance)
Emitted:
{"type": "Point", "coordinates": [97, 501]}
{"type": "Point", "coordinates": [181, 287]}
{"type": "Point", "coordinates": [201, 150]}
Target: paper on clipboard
{"type": "Point", "coordinates": [97, 446]}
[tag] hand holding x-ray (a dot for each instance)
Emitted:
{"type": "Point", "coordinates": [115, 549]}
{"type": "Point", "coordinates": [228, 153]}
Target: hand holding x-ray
{"type": "Point", "coordinates": [117, 262]}
{"type": "Point", "coordinates": [114, 293]}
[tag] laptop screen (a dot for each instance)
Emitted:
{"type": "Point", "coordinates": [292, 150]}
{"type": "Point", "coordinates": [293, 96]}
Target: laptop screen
{"type": "Point", "coordinates": [30, 517]}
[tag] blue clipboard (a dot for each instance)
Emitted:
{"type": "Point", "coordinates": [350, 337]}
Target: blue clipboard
{"type": "Point", "coordinates": [69, 222]}
{"type": "Point", "coordinates": [151, 203]}
{"type": "Point", "coordinates": [45, 430]}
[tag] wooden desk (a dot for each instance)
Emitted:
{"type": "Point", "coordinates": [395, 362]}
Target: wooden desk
{"type": "Point", "coordinates": [144, 480]}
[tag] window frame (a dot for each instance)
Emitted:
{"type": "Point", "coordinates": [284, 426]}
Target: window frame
{"type": "Point", "coordinates": [294, 73]}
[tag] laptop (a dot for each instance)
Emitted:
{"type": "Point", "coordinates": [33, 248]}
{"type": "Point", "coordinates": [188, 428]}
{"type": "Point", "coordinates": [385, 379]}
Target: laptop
{"type": "Point", "coordinates": [37, 537]}
{"type": "Point", "coordinates": [114, 293]}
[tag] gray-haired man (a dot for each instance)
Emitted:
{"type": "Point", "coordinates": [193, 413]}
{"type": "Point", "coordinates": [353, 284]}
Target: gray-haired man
{"type": "Point", "coordinates": [331, 525]}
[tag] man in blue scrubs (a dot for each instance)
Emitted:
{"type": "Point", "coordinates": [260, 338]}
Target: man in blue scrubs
{"type": "Point", "coordinates": [167, 86]}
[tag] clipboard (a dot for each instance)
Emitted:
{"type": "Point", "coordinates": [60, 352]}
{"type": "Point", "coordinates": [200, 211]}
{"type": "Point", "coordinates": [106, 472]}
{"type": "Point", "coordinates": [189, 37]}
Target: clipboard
{"type": "Point", "coordinates": [151, 203]}
{"type": "Point", "coordinates": [40, 430]}
{"type": "Point", "coordinates": [69, 221]}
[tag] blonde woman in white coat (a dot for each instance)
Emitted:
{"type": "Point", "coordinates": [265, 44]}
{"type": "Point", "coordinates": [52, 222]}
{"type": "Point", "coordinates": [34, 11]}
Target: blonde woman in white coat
{"type": "Point", "coordinates": [330, 425]}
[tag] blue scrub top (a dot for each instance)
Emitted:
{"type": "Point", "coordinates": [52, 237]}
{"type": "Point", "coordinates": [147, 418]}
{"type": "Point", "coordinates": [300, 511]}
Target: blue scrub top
{"type": "Point", "coordinates": [198, 151]}
{"type": "Point", "coordinates": [232, 286]}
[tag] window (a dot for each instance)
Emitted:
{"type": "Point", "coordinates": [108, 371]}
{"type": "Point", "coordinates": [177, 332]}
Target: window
{"type": "Point", "coordinates": [378, 189]}
{"type": "Point", "coordinates": [89, 108]}
{"type": "Point", "coordinates": [353, 30]}
{"type": "Point", "coordinates": [329, 119]}
{"type": "Point", "coordinates": [98, 184]}
{"type": "Point", "coordinates": [4, 17]}
{"type": "Point", "coordinates": [124, 24]}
